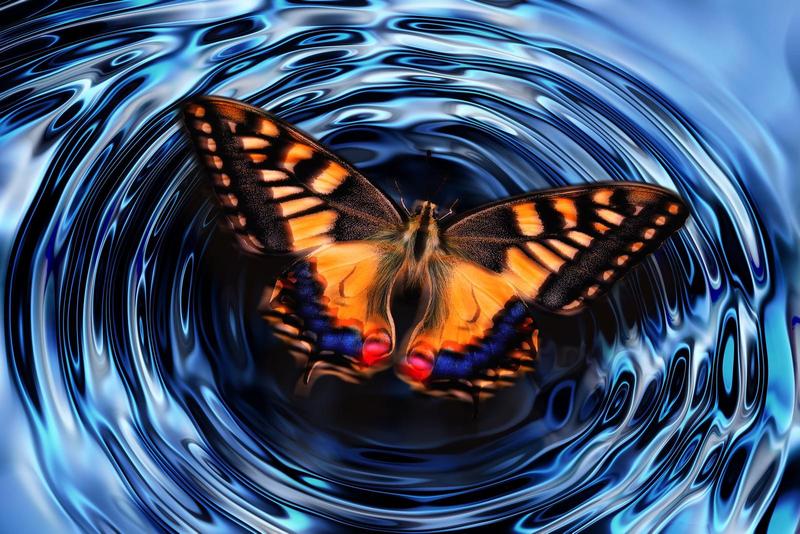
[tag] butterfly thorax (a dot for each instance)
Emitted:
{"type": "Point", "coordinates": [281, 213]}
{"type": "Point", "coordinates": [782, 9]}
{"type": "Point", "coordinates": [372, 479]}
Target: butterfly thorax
{"type": "Point", "coordinates": [420, 238]}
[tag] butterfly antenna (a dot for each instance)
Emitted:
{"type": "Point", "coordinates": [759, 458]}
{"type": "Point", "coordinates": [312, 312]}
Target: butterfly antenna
{"type": "Point", "coordinates": [400, 193]}
{"type": "Point", "coordinates": [449, 211]}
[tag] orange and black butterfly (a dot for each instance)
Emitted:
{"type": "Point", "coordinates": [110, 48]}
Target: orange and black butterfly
{"type": "Point", "coordinates": [478, 272]}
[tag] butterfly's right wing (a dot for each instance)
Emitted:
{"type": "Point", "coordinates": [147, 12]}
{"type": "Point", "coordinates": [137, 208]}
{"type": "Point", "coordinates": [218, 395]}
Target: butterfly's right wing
{"type": "Point", "coordinates": [558, 249]}
{"type": "Point", "coordinates": [474, 334]}
{"type": "Point", "coordinates": [563, 248]}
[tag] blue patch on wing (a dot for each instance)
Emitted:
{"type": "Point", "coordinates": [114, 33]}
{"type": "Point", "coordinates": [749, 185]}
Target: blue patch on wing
{"type": "Point", "coordinates": [504, 337]}
{"type": "Point", "coordinates": [341, 340]}
{"type": "Point", "coordinates": [308, 295]}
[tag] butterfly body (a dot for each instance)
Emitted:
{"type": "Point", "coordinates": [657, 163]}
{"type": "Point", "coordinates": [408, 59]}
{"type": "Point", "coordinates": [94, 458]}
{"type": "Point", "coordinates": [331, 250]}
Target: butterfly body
{"type": "Point", "coordinates": [477, 273]}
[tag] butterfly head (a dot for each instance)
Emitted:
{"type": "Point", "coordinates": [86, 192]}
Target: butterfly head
{"type": "Point", "coordinates": [424, 209]}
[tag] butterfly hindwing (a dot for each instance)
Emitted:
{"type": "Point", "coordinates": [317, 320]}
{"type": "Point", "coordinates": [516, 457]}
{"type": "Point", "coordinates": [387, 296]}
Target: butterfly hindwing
{"type": "Point", "coordinates": [332, 308]}
{"type": "Point", "coordinates": [282, 191]}
{"type": "Point", "coordinates": [474, 333]}
{"type": "Point", "coordinates": [565, 247]}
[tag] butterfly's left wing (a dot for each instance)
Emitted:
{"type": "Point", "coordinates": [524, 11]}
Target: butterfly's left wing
{"type": "Point", "coordinates": [558, 249]}
{"type": "Point", "coordinates": [283, 192]}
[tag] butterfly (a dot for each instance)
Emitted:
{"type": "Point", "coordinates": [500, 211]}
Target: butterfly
{"type": "Point", "coordinates": [478, 272]}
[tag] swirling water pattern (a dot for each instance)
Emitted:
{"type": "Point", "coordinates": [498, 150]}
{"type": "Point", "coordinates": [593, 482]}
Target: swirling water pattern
{"type": "Point", "coordinates": [141, 390]}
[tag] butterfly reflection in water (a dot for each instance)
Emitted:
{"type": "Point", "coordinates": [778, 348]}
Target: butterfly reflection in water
{"type": "Point", "coordinates": [477, 273]}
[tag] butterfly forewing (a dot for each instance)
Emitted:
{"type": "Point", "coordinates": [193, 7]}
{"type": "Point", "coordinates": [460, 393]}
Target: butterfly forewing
{"type": "Point", "coordinates": [282, 191]}
{"type": "Point", "coordinates": [564, 247]}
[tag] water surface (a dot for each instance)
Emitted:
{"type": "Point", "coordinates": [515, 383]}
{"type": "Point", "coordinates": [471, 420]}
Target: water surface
{"type": "Point", "coordinates": [141, 389]}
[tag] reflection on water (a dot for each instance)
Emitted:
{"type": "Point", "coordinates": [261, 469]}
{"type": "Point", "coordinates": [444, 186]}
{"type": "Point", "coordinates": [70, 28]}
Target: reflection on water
{"type": "Point", "coordinates": [143, 389]}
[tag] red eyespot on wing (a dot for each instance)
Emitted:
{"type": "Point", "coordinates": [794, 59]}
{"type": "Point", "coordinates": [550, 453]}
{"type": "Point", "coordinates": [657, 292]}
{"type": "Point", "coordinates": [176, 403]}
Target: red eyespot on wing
{"type": "Point", "coordinates": [377, 346]}
{"type": "Point", "coordinates": [419, 363]}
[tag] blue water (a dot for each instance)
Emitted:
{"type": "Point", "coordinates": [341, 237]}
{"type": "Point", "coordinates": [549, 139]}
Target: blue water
{"type": "Point", "coordinates": [140, 389]}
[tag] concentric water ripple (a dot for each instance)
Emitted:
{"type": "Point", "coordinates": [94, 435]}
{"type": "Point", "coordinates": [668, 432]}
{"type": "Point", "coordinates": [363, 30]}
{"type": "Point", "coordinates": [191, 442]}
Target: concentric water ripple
{"type": "Point", "coordinates": [144, 391]}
